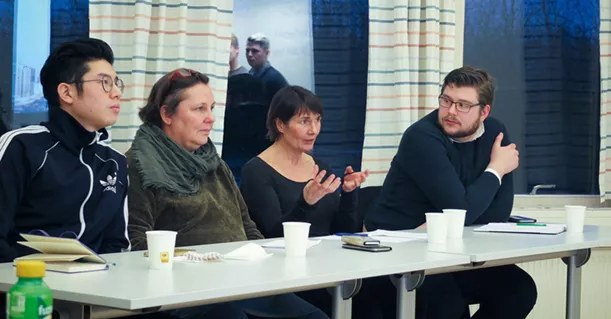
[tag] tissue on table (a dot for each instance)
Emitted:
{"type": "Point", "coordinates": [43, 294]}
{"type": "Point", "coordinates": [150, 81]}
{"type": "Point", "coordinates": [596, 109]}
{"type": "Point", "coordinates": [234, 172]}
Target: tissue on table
{"type": "Point", "coordinates": [249, 251]}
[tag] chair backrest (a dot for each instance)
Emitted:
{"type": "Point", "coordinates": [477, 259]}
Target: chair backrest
{"type": "Point", "coordinates": [243, 88]}
{"type": "Point", "coordinates": [244, 135]}
{"type": "Point", "coordinates": [245, 131]}
{"type": "Point", "coordinates": [367, 196]}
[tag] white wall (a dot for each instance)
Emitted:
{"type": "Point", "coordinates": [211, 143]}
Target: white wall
{"type": "Point", "coordinates": [288, 25]}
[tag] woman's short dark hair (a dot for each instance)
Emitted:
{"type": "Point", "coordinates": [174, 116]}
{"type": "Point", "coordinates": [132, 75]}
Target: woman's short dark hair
{"type": "Point", "coordinates": [288, 102]}
{"type": "Point", "coordinates": [168, 91]}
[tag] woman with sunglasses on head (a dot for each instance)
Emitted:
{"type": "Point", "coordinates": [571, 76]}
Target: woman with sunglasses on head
{"type": "Point", "coordinates": [178, 182]}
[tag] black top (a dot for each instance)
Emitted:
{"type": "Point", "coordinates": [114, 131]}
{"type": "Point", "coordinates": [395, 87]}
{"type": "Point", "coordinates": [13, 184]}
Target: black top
{"type": "Point", "coordinates": [272, 199]}
{"type": "Point", "coordinates": [61, 179]}
{"type": "Point", "coordinates": [430, 173]}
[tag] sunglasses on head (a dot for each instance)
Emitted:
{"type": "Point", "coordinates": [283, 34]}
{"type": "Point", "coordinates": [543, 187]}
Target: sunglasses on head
{"type": "Point", "coordinates": [183, 73]}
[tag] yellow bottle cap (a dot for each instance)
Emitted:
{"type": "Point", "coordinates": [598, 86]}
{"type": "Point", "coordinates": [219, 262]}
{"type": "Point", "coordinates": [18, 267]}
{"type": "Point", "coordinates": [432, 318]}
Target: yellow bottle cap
{"type": "Point", "coordinates": [30, 269]}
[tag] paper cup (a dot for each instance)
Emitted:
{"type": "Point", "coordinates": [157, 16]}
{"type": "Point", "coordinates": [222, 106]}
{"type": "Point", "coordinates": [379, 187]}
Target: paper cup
{"type": "Point", "coordinates": [161, 248]}
{"type": "Point", "coordinates": [455, 219]}
{"type": "Point", "coordinates": [575, 217]}
{"type": "Point", "coordinates": [296, 238]}
{"type": "Point", "coordinates": [436, 227]}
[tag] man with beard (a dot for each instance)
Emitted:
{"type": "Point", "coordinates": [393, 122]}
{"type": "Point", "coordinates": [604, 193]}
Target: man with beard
{"type": "Point", "coordinates": [457, 157]}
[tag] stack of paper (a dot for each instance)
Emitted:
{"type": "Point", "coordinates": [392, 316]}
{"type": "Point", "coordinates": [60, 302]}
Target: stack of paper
{"type": "Point", "coordinates": [534, 228]}
{"type": "Point", "coordinates": [405, 236]}
{"type": "Point", "coordinates": [388, 237]}
{"type": "Point", "coordinates": [280, 243]}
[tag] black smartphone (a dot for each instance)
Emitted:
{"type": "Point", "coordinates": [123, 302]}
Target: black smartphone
{"type": "Point", "coordinates": [521, 219]}
{"type": "Point", "coordinates": [373, 249]}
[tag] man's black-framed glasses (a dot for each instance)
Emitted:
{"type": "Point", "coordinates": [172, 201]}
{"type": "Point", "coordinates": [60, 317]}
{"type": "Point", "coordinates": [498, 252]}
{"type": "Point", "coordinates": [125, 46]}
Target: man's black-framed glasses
{"type": "Point", "coordinates": [107, 83]}
{"type": "Point", "coordinates": [463, 107]}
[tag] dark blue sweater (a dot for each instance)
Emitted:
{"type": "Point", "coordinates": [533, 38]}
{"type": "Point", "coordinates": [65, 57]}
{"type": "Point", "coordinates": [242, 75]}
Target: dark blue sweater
{"type": "Point", "coordinates": [430, 173]}
{"type": "Point", "coordinates": [59, 178]}
{"type": "Point", "coordinates": [272, 79]}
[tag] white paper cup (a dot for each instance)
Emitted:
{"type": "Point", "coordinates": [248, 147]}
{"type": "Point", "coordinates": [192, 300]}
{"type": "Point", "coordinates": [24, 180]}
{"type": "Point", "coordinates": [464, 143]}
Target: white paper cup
{"type": "Point", "coordinates": [161, 248]}
{"type": "Point", "coordinates": [575, 217]}
{"type": "Point", "coordinates": [436, 227]}
{"type": "Point", "coordinates": [455, 219]}
{"type": "Point", "coordinates": [296, 238]}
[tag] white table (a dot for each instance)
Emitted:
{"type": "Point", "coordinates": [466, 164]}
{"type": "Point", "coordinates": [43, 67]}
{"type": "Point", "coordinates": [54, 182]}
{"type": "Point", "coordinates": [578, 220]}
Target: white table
{"type": "Point", "coordinates": [495, 249]}
{"type": "Point", "coordinates": [131, 286]}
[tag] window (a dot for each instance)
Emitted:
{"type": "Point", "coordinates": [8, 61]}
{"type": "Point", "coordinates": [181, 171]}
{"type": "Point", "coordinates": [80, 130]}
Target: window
{"type": "Point", "coordinates": [6, 64]}
{"type": "Point", "coordinates": [545, 57]}
{"type": "Point", "coordinates": [51, 23]}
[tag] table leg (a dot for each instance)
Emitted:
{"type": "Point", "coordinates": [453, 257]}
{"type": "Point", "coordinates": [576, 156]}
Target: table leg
{"type": "Point", "coordinates": [342, 298]}
{"type": "Point", "coordinates": [406, 285]}
{"type": "Point", "coordinates": [573, 282]}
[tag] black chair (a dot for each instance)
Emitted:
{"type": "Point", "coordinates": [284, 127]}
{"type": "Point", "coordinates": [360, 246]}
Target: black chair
{"type": "Point", "coordinates": [243, 88]}
{"type": "Point", "coordinates": [245, 130]}
{"type": "Point", "coordinates": [367, 196]}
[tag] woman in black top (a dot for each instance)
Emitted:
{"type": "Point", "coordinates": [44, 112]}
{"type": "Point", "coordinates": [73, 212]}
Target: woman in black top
{"type": "Point", "coordinates": [285, 183]}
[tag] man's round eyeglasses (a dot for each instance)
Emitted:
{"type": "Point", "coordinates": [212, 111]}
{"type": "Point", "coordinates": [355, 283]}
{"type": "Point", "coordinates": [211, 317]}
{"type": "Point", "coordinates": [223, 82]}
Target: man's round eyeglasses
{"type": "Point", "coordinates": [107, 83]}
{"type": "Point", "coordinates": [460, 106]}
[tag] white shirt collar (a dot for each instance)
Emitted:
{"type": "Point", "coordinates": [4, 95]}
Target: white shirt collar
{"type": "Point", "coordinates": [480, 131]}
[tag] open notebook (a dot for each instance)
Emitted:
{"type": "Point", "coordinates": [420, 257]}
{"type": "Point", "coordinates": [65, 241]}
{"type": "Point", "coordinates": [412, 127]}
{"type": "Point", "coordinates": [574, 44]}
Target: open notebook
{"type": "Point", "coordinates": [64, 255]}
{"type": "Point", "coordinates": [538, 228]}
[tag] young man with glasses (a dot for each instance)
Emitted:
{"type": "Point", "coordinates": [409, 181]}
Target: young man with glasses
{"type": "Point", "coordinates": [458, 157]}
{"type": "Point", "coordinates": [59, 178]}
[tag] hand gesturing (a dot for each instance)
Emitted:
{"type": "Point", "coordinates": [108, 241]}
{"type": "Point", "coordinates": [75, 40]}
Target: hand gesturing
{"type": "Point", "coordinates": [316, 188]}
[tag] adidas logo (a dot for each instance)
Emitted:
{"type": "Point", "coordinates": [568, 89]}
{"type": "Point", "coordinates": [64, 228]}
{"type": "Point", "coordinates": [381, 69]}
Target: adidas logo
{"type": "Point", "coordinates": [109, 184]}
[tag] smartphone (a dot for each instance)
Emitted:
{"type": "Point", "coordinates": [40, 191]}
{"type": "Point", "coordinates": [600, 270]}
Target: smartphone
{"type": "Point", "coordinates": [521, 219]}
{"type": "Point", "coordinates": [373, 249]}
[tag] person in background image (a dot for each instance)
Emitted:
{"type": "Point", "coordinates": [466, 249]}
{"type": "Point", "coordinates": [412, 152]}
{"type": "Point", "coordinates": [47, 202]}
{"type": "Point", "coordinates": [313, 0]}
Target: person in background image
{"type": "Point", "coordinates": [257, 53]}
{"type": "Point", "coordinates": [234, 64]}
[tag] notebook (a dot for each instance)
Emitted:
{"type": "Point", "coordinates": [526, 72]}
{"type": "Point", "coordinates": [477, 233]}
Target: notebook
{"type": "Point", "coordinates": [532, 228]}
{"type": "Point", "coordinates": [65, 255]}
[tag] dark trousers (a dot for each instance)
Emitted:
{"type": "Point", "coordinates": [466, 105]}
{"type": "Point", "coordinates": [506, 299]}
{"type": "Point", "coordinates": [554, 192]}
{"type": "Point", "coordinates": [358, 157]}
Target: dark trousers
{"type": "Point", "coordinates": [505, 292]}
{"type": "Point", "coordinates": [278, 306]}
{"type": "Point", "coordinates": [375, 300]}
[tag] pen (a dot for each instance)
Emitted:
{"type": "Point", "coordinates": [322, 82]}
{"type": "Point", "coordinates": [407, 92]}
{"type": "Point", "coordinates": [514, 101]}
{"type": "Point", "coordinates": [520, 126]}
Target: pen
{"type": "Point", "coordinates": [531, 224]}
{"type": "Point", "coordinates": [351, 234]}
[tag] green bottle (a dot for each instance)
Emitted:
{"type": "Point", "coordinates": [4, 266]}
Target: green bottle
{"type": "Point", "coordinates": [30, 297]}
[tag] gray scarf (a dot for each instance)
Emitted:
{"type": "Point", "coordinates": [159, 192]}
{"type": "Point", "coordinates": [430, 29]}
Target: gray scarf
{"type": "Point", "coordinates": [164, 164]}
